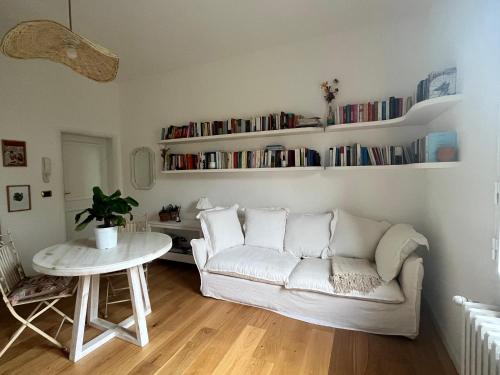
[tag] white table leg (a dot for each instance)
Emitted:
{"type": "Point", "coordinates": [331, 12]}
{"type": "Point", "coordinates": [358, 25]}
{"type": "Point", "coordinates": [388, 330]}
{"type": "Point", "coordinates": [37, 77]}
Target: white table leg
{"type": "Point", "coordinates": [79, 318]}
{"type": "Point", "coordinates": [136, 295]}
{"type": "Point", "coordinates": [145, 292]}
{"type": "Point", "coordinates": [94, 299]}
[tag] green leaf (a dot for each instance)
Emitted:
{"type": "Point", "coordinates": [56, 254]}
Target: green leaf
{"type": "Point", "coordinates": [84, 223]}
{"type": "Point", "coordinates": [132, 201]}
{"type": "Point", "coordinates": [79, 215]}
{"type": "Point", "coordinates": [120, 221]}
{"type": "Point", "coordinates": [116, 194]}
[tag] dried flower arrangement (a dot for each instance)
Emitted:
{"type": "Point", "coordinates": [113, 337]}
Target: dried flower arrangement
{"type": "Point", "coordinates": [330, 90]}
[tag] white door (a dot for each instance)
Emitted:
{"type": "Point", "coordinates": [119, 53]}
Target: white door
{"type": "Point", "coordinates": [85, 165]}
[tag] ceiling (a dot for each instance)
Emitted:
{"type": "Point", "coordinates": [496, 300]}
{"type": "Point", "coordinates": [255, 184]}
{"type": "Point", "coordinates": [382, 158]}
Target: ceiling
{"type": "Point", "coordinates": [153, 36]}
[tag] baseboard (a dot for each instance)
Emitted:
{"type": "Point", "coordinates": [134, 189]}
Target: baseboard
{"type": "Point", "coordinates": [453, 356]}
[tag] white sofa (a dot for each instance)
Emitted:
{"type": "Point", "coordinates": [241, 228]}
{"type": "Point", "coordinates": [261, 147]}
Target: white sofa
{"type": "Point", "coordinates": [300, 287]}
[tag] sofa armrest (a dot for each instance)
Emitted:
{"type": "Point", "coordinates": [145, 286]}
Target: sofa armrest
{"type": "Point", "coordinates": [411, 275]}
{"type": "Point", "coordinates": [200, 252]}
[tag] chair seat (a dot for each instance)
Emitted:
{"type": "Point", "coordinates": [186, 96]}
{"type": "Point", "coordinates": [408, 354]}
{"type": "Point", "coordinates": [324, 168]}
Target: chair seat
{"type": "Point", "coordinates": [42, 287]}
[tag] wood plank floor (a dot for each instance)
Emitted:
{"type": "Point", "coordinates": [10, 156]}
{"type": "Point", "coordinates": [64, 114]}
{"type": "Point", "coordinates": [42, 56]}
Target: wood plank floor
{"type": "Point", "coordinates": [191, 334]}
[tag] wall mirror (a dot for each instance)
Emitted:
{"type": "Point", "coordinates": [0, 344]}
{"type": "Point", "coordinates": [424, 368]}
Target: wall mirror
{"type": "Point", "coordinates": [142, 168]}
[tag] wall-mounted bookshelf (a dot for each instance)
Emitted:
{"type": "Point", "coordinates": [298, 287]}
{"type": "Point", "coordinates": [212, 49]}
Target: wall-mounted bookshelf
{"type": "Point", "coordinates": [419, 114]}
{"type": "Point", "coordinates": [437, 165]}
{"type": "Point", "coordinates": [261, 134]}
{"type": "Point", "coordinates": [245, 170]}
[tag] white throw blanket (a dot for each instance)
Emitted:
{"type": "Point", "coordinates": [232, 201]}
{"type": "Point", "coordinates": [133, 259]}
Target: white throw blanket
{"type": "Point", "coordinates": [351, 274]}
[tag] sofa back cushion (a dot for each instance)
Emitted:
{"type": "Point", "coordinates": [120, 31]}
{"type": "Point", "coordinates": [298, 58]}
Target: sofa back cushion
{"type": "Point", "coordinates": [221, 229]}
{"type": "Point", "coordinates": [308, 235]}
{"type": "Point", "coordinates": [265, 227]}
{"type": "Point", "coordinates": [354, 236]}
{"type": "Point", "coordinates": [395, 246]}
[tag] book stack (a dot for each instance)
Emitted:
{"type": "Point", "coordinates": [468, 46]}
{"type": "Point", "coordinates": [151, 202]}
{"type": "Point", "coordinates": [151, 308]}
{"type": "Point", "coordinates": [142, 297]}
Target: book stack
{"type": "Point", "coordinates": [374, 111]}
{"type": "Point", "coordinates": [429, 148]}
{"type": "Point", "coordinates": [358, 155]}
{"type": "Point", "coordinates": [276, 121]}
{"type": "Point", "coordinates": [309, 122]}
{"type": "Point", "coordinates": [267, 158]}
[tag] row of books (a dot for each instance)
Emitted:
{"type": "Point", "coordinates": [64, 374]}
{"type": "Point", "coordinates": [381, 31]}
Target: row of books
{"type": "Point", "coordinates": [268, 158]}
{"type": "Point", "coordinates": [373, 111]}
{"type": "Point", "coordinates": [358, 155]}
{"type": "Point", "coordinates": [434, 147]}
{"type": "Point", "coordinates": [276, 121]}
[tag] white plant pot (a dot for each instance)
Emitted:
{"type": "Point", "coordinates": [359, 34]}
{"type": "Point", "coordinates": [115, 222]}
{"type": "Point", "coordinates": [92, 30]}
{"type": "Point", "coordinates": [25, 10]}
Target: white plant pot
{"type": "Point", "coordinates": [106, 238]}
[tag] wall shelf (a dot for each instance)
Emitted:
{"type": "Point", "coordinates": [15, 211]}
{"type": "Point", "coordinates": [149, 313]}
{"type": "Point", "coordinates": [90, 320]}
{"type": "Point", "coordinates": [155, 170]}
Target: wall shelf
{"type": "Point", "coordinates": [420, 114]}
{"type": "Point", "coordinates": [261, 134]}
{"type": "Point", "coordinates": [438, 165]}
{"type": "Point", "coordinates": [245, 170]}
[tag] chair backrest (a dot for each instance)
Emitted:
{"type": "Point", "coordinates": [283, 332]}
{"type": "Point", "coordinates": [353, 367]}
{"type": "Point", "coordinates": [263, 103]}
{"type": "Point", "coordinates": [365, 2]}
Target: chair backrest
{"type": "Point", "coordinates": [140, 225]}
{"type": "Point", "coordinates": [11, 270]}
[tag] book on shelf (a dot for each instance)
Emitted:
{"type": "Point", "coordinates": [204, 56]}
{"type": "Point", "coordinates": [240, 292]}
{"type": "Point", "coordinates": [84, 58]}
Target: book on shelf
{"type": "Point", "coordinates": [378, 110]}
{"type": "Point", "coordinates": [357, 155]}
{"type": "Point", "coordinates": [429, 148]}
{"type": "Point", "coordinates": [267, 158]}
{"type": "Point", "coordinates": [275, 121]}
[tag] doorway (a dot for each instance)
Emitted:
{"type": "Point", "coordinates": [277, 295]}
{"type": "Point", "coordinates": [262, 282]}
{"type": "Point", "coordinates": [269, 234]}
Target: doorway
{"type": "Point", "coordinates": [86, 163]}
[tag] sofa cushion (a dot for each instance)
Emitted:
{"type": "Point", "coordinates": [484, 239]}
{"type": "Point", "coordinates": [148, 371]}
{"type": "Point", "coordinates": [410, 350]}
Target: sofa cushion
{"type": "Point", "coordinates": [221, 229]}
{"type": "Point", "coordinates": [308, 235]}
{"type": "Point", "coordinates": [395, 246]}
{"type": "Point", "coordinates": [313, 274]}
{"type": "Point", "coordinates": [354, 236]}
{"type": "Point", "coordinates": [253, 263]}
{"type": "Point", "coordinates": [265, 227]}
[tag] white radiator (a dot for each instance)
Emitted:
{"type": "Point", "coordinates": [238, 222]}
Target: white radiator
{"type": "Point", "coordinates": [480, 352]}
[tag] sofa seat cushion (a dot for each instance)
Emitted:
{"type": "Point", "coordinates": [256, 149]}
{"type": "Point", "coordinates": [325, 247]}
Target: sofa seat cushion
{"type": "Point", "coordinates": [313, 274]}
{"type": "Point", "coordinates": [253, 263]}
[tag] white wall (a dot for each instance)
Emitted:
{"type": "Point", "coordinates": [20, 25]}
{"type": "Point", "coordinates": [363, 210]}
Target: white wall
{"type": "Point", "coordinates": [39, 100]}
{"type": "Point", "coordinates": [460, 219]}
{"type": "Point", "coordinates": [369, 63]}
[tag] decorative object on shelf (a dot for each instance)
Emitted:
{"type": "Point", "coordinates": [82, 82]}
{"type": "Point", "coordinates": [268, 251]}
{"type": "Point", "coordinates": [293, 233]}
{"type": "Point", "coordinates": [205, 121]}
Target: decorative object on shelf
{"type": "Point", "coordinates": [330, 91]}
{"type": "Point", "coordinates": [204, 204]}
{"type": "Point", "coordinates": [55, 42]}
{"type": "Point", "coordinates": [271, 122]}
{"type": "Point", "coordinates": [14, 153]}
{"type": "Point", "coordinates": [437, 84]}
{"type": "Point", "coordinates": [437, 147]}
{"type": "Point", "coordinates": [170, 212]}
{"type": "Point", "coordinates": [142, 168]}
{"type": "Point", "coordinates": [108, 209]}
{"type": "Point", "coordinates": [46, 169]}
{"type": "Point", "coordinates": [18, 198]}
{"type": "Point", "coordinates": [269, 158]}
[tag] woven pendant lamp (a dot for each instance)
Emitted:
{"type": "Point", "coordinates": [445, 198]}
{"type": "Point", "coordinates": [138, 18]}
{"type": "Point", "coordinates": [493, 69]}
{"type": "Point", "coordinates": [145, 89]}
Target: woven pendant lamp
{"type": "Point", "coordinates": [50, 40]}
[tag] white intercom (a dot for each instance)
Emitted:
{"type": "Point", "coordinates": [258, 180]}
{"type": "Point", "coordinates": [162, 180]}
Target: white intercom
{"type": "Point", "coordinates": [46, 169]}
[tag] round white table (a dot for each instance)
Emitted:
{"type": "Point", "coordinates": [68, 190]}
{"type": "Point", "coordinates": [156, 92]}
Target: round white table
{"type": "Point", "coordinates": [81, 258]}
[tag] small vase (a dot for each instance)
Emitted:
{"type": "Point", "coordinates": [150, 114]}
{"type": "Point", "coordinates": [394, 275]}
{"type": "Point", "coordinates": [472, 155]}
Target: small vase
{"type": "Point", "coordinates": [106, 238]}
{"type": "Point", "coordinates": [330, 119]}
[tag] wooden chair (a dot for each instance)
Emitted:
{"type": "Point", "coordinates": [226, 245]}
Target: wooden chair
{"type": "Point", "coordinates": [114, 294]}
{"type": "Point", "coordinates": [18, 289]}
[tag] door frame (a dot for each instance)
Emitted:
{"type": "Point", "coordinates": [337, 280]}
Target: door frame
{"type": "Point", "coordinates": [114, 161]}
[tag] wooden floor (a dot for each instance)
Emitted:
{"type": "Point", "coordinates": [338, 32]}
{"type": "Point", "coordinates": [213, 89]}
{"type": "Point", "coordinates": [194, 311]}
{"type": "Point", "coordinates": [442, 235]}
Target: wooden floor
{"type": "Point", "coordinates": [191, 334]}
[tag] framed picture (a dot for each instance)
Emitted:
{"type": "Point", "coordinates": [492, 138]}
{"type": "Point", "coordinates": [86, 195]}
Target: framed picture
{"type": "Point", "coordinates": [18, 198]}
{"type": "Point", "coordinates": [13, 153]}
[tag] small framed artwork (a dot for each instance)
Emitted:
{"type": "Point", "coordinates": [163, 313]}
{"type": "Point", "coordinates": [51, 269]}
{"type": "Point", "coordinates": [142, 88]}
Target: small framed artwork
{"type": "Point", "coordinates": [18, 198]}
{"type": "Point", "coordinates": [13, 153]}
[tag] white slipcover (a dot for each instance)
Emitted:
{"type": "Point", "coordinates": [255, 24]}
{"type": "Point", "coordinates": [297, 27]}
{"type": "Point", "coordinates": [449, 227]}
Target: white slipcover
{"type": "Point", "coordinates": [318, 308]}
{"type": "Point", "coordinates": [265, 227]}
{"type": "Point", "coordinates": [308, 235]}
{"type": "Point", "coordinates": [253, 263]}
{"type": "Point", "coordinates": [313, 274]}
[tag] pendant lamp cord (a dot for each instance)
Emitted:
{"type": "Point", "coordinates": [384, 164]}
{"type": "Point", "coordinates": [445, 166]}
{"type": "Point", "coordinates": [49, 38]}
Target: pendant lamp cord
{"type": "Point", "coordinates": [70, 19]}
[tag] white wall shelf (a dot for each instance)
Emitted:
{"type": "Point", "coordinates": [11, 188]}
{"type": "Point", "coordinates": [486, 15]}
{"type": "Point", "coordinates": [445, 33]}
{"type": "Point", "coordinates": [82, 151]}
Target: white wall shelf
{"type": "Point", "coordinates": [420, 114]}
{"type": "Point", "coordinates": [262, 134]}
{"type": "Point", "coordinates": [245, 170]}
{"type": "Point", "coordinates": [440, 165]}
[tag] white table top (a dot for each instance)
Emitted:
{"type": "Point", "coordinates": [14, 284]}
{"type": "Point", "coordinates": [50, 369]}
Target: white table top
{"type": "Point", "coordinates": [80, 257]}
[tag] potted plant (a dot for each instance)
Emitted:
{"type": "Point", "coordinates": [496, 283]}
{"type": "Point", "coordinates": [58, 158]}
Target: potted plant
{"type": "Point", "coordinates": [169, 212]}
{"type": "Point", "coordinates": [108, 209]}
